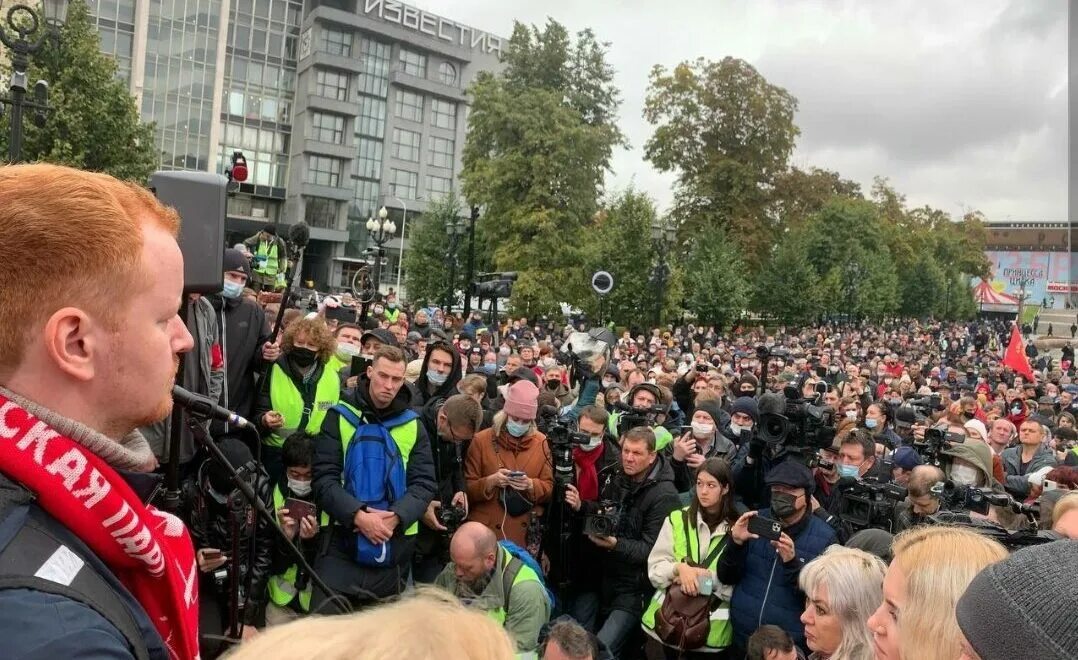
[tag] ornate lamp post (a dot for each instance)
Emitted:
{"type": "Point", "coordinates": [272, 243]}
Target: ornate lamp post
{"type": "Point", "coordinates": [380, 230]}
{"type": "Point", "coordinates": [455, 229]}
{"type": "Point", "coordinates": [663, 235]}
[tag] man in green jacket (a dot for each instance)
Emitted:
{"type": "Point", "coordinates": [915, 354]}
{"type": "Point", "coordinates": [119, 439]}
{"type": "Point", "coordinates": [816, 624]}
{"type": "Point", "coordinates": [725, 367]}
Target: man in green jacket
{"type": "Point", "coordinates": [269, 259]}
{"type": "Point", "coordinates": [484, 575]}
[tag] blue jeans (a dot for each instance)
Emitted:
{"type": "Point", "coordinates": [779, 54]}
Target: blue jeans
{"type": "Point", "coordinates": [584, 608]}
{"type": "Point", "coordinates": [617, 628]}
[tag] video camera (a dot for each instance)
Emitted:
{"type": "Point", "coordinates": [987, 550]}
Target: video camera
{"type": "Point", "coordinates": [763, 353]}
{"type": "Point", "coordinates": [935, 442]}
{"type": "Point", "coordinates": [604, 522]}
{"type": "Point", "coordinates": [926, 405]}
{"type": "Point", "coordinates": [561, 439]}
{"type": "Point", "coordinates": [869, 503]}
{"type": "Point", "coordinates": [451, 517]}
{"type": "Point", "coordinates": [633, 417]}
{"type": "Point", "coordinates": [801, 426]}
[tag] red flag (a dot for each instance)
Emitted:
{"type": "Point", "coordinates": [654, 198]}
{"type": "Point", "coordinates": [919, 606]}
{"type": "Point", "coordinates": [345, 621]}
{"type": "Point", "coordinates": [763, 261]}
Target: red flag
{"type": "Point", "coordinates": [1015, 357]}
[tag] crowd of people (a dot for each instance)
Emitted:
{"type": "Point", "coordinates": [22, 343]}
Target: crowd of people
{"type": "Point", "coordinates": [454, 487]}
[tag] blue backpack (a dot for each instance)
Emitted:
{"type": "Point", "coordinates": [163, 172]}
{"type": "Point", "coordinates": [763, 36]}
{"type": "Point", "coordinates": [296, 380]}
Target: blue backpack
{"type": "Point", "coordinates": [374, 474]}
{"type": "Point", "coordinates": [521, 557]}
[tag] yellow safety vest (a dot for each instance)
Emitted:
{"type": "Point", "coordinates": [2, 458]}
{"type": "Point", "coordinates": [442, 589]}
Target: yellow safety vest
{"type": "Point", "coordinates": [404, 436]}
{"type": "Point", "coordinates": [266, 258]}
{"type": "Point", "coordinates": [282, 588]}
{"type": "Point", "coordinates": [286, 399]}
{"type": "Point", "coordinates": [720, 632]}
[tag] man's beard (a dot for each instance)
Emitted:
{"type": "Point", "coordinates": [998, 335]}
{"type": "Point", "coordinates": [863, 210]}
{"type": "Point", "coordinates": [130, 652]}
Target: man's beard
{"type": "Point", "coordinates": [475, 589]}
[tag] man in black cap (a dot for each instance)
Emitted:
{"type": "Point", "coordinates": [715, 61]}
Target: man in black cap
{"type": "Point", "coordinates": [270, 257]}
{"type": "Point", "coordinates": [765, 571]}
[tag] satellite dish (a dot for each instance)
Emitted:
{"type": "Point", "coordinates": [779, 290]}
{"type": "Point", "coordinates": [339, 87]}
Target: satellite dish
{"type": "Point", "coordinates": [602, 282]}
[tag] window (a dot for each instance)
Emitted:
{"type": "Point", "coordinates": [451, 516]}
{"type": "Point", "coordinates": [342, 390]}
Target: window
{"type": "Point", "coordinates": [409, 106]}
{"type": "Point", "coordinates": [374, 78]}
{"type": "Point", "coordinates": [335, 42]}
{"type": "Point", "coordinates": [364, 199]}
{"type": "Point", "coordinates": [443, 114]}
{"type": "Point", "coordinates": [406, 145]}
{"type": "Point", "coordinates": [441, 152]}
{"type": "Point", "coordinates": [323, 171]}
{"type": "Point", "coordinates": [331, 85]}
{"type": "Point", "coordinates": [372, 117]}
{"type": "Point", "coordinates": [447, 73]}
{"type": "Point", "coordinates": [438, 187]}
{"type": "Point", "coordinates": [321, 212]}
{"type": "Point", "coordinates": [413, 63]}
{"type": "Point", "coordinates": [327, 128]}
{"type": "Point", "coordinates": [403, 183]}
{"type": "Point", "coordinates": [368, 162]}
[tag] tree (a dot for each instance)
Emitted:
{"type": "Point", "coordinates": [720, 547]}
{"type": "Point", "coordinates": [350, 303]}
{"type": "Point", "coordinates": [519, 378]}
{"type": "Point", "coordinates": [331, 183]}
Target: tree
{"type": "Point", "coordinates": [426, 263]}
{"type": "Point", "coordinates": [797, 195]}
{"type": "Point", "coordinates": [540, 139]}
{"type": "Point", "coordinates": [727, 133]}
{"type": "Point", "coordinates": [94, 123]}
{"type": "Point", "coordinates": [618, 243]}
{"type": "Point", "coordinates": [922, 287]}
{"type": "Point", "coordinates": [715, 284]}
{"type": "Point", "coordinates": [787, 287]}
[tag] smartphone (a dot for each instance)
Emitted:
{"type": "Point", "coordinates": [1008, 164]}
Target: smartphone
{"type": "Point", "coordinates": [359, 365]}
{"type": "Point", "coordinates": [686, 429]}
{"type": "Point", "coordinates": [702, 368]}
{"type": "Point", "coordinates": [1050, 485]}
{"type": "Point", "coordinates": [298, 509]}
{"type": "Point", "coordinates": [765, 528]}
{"type": "Point", "coordinates": [517, 474]}
{"type": "Point", "coordinates": [209, 554]}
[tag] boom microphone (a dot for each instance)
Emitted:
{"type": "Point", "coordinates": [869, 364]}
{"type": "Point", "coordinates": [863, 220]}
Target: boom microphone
{"type": "Point", "coordinates": [205, 407]}
{"type": "Point", "coordinates": [299, 234]}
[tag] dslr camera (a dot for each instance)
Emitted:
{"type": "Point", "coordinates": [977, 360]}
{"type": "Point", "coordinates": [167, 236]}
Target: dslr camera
{"type": "Point", "coordinates": [451, 517]}
{"type": "Point", "coordinates": [603, 522]}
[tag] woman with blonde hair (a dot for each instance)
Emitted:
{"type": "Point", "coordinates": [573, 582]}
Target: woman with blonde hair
{"type": "Point", "coordinates": [932, 567]}
{"type": "Point", "coordinates": [843, 587]}
{"type": "Point", "coordinates": [430, 626]}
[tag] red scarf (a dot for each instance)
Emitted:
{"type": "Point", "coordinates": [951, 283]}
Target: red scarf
{"type": "Point", "coordinates": [587, 479]}
{"type": "Point", "coordinates": [148, 550]}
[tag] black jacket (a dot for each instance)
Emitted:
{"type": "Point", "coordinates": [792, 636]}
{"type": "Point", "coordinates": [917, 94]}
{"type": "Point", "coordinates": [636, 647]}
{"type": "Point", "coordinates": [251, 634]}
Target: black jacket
{"type": "Point", "coordinates": [584, 564]}
{"type": "Point", "coordinates": [644, 507]}
{"type": "Point", "coordinates": [211, 527]}
{"type": "Point", "coordinates": [338, 568]}
{"type": "Point", "coordinates": [243, 329]}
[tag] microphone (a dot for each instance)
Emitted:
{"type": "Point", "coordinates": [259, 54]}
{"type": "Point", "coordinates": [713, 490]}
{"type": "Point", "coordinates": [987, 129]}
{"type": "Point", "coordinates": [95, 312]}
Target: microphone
{"type": "Point", "coordinates": [205, 407]}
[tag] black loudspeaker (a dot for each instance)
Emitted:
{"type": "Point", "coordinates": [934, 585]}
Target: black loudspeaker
{"type": "Point", "coordinates": [199, 198]}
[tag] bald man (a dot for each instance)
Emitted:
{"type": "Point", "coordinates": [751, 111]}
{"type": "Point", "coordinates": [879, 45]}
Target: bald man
{"type": "Point", "coordinates": [484, 575]}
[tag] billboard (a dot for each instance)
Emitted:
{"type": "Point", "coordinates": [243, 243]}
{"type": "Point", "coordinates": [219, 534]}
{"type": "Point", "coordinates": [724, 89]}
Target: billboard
{"type": "Point", "coordinates": [1044, 277]}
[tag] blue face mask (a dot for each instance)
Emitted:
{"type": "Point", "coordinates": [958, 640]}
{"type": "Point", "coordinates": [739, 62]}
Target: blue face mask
{"type": "Point", "coordinates": [848, 470]}
{"type": "Point", "coordinates": [516, 429]}
{"type": "Point", "coordinates": [871, 423]}
{"type": "Point", "coordinates": [436, 378]}
{"type": "Point", "coordinates": [490, 368]}
{"type": "Point", "coordinates": [232, 290]}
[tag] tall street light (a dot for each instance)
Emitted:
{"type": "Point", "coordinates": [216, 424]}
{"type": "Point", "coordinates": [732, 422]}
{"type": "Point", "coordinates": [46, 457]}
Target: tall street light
{"type": "Point", "coordinates": [380, 230]}
{"type": "Point", "coordinates": [455, 229]}
{"type": "Point", "coordinates": [24, 35]}
{"type": "Point", "coordinates": [404, 224]}
{"type": "Point", "coordinates": [471, 261]}
{"type": "Point", "coordinates": [663, 235]}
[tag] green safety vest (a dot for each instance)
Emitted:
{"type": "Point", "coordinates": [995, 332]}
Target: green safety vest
{"type": "Point", "coordinates": [404, 436]}
{"type": "Point", "coordinates": [336, 364]}
{"type": "Point", "coordinates": [391, 315]}
{"type": "Point", "coordinates": [267, 253]}
{"type": "Point", "coordinates": [286, 399]}
{"type": "Point", "coordinates": [663, 437]}
{"type": "Point", "coordinates": [720, 633]}
{"type": "Point", "coordinates": [282, 588]}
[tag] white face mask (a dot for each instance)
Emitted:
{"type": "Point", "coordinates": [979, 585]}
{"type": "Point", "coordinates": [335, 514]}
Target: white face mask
{"type": "Point", "coordinates": [596, 440]}
{"type": "Point", "coordinates": [299, 487]}
{"type": "Point", "coordinates": [964, 475]}
{"type": "Point", "coordinates": [851, 414]}
{"type": "Point", "coordinates": [702, 431]}
{"type": "Point", "coordinates": [737, 428]}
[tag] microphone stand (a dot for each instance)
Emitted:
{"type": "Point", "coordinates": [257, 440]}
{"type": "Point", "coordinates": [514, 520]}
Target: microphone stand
{"type": "Point", "coordinates": [171, 499]}
{"type": "Point", "coordinates": [237, 513]}
{"type": "Point", "coordinates": [249, 494]}
{"type": "Point", "coordinates": [286, 298]}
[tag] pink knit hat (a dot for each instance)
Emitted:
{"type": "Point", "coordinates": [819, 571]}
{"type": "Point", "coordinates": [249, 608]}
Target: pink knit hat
{"type": "Point", "coordinates": [521, 400]}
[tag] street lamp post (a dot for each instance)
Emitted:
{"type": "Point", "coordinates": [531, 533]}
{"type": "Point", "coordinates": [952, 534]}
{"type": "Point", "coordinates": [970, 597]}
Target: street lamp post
{"type": "Point", "coordinates": [24, 35]}
{"type": "Point", "coordinates": [455, 229]}
{"type": "Point", "coordinates": [380, 230]}
{"type": "Point", "coordinates": [471, 261]}
{"type": "Point", "coordinates": [400, 259]}
{"type": "Point", "coordinates": [663, 235]}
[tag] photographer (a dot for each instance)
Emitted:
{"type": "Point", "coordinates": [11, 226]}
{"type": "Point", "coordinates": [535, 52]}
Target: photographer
{"type": "Point", "coordinates": [701, 442]}
{"type": "Point", "coordinates": [451, 427]}
{"type": "Point", "coordinates": [642, 494]}
{"type": "Point", "coordinates": [921, 501]}
{"type": "Point", "coordinates": [592, 464]}
{"type": "Point", "coordinates": [766, 571]}
{"type": "Point", "coordinates": [756, 458]}
{"type": "Point", "coordinates": [646, 408]}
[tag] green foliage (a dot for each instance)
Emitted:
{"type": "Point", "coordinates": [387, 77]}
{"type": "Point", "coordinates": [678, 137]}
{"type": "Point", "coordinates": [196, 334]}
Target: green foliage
{"type": "Point", "coordinates": [540, 140]}
{"type": "Point", "coordinates": [788, 288]}
{"type": "Point", "coordinates": [727, 133]}
{"type": "Point", "coordinates": [426, 262]}
{"type": "Point", "coordinates": [94, 123]}
{"type": "Point", "coordinates": [716, 289]}
{"type": "Point", "coordinates": [922, 288]}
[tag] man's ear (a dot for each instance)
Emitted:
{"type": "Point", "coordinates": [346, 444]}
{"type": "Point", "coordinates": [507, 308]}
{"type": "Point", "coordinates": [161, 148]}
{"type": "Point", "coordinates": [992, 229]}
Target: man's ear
{"type": "Point", "coordinates": [72, 342]}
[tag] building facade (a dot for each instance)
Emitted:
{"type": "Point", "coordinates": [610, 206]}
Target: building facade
{"type": "Point", "coordinates": [1034, 261]}
{"type": "Point", "coordinates": [340, 107]}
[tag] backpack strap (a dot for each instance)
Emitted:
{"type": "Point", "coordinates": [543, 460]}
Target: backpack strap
{"type": "Point", "coordinates": [63, 573]}
{"type": "Point", "coordinates": [349, 415]}
{"type": "Point", "coordinates": [509, 575]}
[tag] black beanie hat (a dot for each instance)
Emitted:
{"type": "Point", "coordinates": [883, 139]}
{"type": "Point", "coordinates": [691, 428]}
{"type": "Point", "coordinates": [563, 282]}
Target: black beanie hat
{"type": "Point", "coordinates": [1024, 606]}
{"type": "Point", "coordinates": [713, 410]}
{"type": "Point", "coordinates": [238, 454]}
{"type": "Point", "coordinates": [235, 261]}
{"type": "Point", "coordinates": [748, 406]}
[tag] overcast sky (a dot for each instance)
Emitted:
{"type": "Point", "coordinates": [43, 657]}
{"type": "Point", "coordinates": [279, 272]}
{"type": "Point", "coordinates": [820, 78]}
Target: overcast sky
{"type": "Point", "coordinates": [960, 103]}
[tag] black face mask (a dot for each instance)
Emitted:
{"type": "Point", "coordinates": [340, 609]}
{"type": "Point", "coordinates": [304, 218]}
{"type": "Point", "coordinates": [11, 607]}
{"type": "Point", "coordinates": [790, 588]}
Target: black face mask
{"type": "Point", "coordinates": [553, 385]}
{"type": "Point", "coordinates": [783, 505]}
{"type": "Point", "coordinates": [302, 357]}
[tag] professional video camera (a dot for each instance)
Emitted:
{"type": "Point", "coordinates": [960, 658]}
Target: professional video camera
{"type": "Point", "coordinates": [632, 417]}
{"type": "Point", "coordinates": [763, 353]}
{"type": "Point", "coordinates": [957, 503]}
{"type": "Point", "coordinates": [604, 522]}
{"type": "Point", "coordinates": [935, 442]}
{"type": "Point", "coordinates": [587, 353]}
{"type": "Point", "coordinates": [802, 426]}
{"type": "Point", "coordinates": [561, 439]}
{"type": "Point", "coordinates": [869, 503]}
{"type": "Point", "coordinates": [926, 405]}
